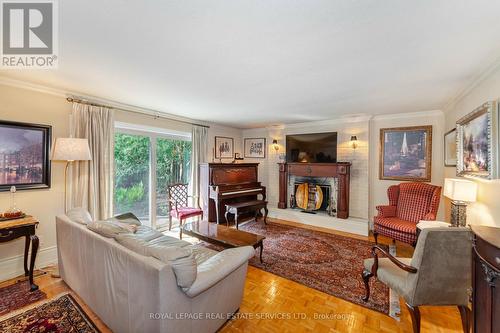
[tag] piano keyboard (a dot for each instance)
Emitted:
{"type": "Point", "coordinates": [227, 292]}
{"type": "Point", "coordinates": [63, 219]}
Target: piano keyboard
{"type": "Point", "coordinates": [242, 191]}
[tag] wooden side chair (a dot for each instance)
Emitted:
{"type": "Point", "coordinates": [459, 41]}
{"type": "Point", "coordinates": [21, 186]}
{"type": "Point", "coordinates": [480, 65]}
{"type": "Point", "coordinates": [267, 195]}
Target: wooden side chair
{"type": "Point", "coordinates": [439, 273]}
{"type": "Point", "coordinates": [178, 206]}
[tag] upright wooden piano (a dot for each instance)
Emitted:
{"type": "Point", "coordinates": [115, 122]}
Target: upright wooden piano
{"type": "Point", "coordinates": [223, 183]}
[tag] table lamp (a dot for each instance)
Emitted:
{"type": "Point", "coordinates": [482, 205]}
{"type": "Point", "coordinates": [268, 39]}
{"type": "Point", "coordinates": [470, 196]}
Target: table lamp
{"type": "Point", "coordinates": [461, 192]}
{"type": "Point", "coordinates": [70, 150]}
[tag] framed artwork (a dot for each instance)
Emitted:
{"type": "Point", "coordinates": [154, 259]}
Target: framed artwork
{"type": "Point", "coordinates": [406, 153]}
{"type": "Point", "coordinates": [255, 148]}
{"type": "Point", "coordinates": [450, 148]}
{"type": "Point", "coordinates": [24, 155]}
{"type": "Point", "coordinates": [224, 147]}
{"type": "Point", "coordinates": [477, 140]}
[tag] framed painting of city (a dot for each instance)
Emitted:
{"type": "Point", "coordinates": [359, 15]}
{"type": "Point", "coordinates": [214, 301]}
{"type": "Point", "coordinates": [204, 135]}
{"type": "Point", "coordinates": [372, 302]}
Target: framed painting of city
{"type": "Point", "coordinates": [477, 137]}
{"type": "Point", "coordinates": [224, 147]}
{"type": "Point", "coordinates": [406, 153]}
{"type": "Point", "coordinates": [24, 155]}
{"type": "Point", "coordinates": [255, 148]}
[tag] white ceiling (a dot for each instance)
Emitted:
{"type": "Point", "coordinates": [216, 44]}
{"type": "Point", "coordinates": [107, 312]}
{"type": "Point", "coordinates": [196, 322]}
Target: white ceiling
{"type": "Point", "coordinates": [261, 62]}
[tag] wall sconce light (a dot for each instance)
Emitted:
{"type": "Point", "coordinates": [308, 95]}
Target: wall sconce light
{"type": "Point", "coordinates": [275, 145]}
{"type": "Point", "coordinates": [354, 141]}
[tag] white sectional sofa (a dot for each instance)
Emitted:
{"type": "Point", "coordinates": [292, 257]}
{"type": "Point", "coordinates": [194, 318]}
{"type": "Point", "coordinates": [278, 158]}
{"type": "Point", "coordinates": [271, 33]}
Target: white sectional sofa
{"type": "Point", "coordinates": [133, 292]}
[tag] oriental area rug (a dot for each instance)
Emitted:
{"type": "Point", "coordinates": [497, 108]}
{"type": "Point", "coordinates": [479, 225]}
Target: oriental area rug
{"type": "Point", "coordinates": [62, 314]}
{"type": "Point", "coordinates": [327, 262]}
{"type": "Point", "coordinates": [18, 295]}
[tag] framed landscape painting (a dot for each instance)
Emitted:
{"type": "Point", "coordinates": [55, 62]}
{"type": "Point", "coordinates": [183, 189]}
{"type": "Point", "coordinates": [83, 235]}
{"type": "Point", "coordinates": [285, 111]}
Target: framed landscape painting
{"type": "Point", "coordinates": [224, 147]}
{"type": "Point", "coordinates": [24, 155]}
{"type": "Point", "coordinates": [450, 148]}
{"type": "Point", "coordinates": [477, 137]}
{"type": "Point", "coordinates": [255, 148]}
{"type": "Point", "coordinates": [406, 153]}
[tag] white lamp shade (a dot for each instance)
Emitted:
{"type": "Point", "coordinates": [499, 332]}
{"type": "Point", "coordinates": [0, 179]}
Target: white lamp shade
{"type": "Point", "coordinates": [460, 189]}
{"type": "Point", "coordinates": [71, 149]}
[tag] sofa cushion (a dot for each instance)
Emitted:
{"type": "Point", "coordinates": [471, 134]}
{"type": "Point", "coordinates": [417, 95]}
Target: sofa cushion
{"type": "Point", "coordinates": [185, 270]}
{"type": "Point", "coordinates": [129, 218]}
{"type": "Point", "coordinates": [111, 229]}
{"type": "Point", "coordinates": [79, 215]}
{"type": "Point", "coordinates": [147, 234]}
{"type": "Point", "coordinates": [202, 254]}
{"type": "Point", "coordinates": [180, 258]}
{"type": "Point", "coordinates": [132, 243]}
{"type": "Point", "coordinates": [170, 241]}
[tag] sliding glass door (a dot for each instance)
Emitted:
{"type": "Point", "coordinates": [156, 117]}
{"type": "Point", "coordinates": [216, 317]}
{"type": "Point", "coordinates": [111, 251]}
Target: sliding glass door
{"type": "Point", "coordinates": [145, 164]}
{"type": "Point", "coordinates": [132, 168]}
{"type": "Point", "coordinates": [172, 166]}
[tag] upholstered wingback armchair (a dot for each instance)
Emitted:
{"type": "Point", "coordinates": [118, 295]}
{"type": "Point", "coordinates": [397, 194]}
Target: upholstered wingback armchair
{"type": "Point", "coordinates": [408, 204]}
{"type": "Point", "coordinates": [439, 273]}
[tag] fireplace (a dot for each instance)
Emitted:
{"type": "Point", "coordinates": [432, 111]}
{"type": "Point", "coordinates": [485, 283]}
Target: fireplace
{"type": "Point", "coordinates": [330, 177]}
{"type": "Point", "coordinates": [327, 186]}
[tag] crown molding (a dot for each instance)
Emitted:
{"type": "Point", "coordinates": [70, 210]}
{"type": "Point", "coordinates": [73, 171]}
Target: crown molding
{"type": "Point", "coordinates": [476, 81]}
{"type": "Point", "coordinates": [98, 100]}
{"type": "Point", "coordinates": [428, 113]}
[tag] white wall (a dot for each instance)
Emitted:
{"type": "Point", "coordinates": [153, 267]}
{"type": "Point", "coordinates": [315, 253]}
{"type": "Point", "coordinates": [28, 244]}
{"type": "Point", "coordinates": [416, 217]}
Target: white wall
{"type": "Point", "coordinates": [487, 209]}
{"type": "Point", "coordinates": [378, 187]}
{"type": "Point", "coordinates": [35, 107]}
{"type": "Point", "coordinates": [268, 168]}
{"type": "Point", "coordinates": [28, 105]}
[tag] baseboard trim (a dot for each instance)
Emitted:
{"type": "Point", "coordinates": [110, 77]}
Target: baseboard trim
{"type": "Point", "coordinates": [13, 266]}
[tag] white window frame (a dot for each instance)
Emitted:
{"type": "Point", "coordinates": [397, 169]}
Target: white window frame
{"type": "Point", "coordinates": [152, 133]}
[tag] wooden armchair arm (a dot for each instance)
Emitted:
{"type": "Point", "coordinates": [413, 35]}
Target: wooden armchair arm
{"type": "Point", "coordinates": [403, 266]}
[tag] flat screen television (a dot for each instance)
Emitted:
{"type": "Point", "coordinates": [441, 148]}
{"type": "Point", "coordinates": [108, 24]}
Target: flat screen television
{"type": "Point", "coordinates": [312, 148]}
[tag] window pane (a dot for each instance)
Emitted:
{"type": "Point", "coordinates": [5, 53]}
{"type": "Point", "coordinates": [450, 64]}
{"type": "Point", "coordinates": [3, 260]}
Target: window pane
{"type": "Point", "coordinates": [172, 166]}
{"type": "Point", "coordinates": [132, 175]}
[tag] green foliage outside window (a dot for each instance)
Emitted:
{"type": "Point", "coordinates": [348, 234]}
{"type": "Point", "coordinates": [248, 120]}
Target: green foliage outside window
{"type": "Point", "coordinates": [132, 167]}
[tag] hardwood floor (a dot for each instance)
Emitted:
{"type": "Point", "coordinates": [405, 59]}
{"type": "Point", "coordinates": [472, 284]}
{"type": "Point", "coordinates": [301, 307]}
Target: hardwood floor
{"type": "Point", "coordinates": [275, 304]}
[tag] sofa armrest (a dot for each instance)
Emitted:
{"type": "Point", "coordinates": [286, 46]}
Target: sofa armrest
{"type": "Point", "coordinates": [218, 267]}
{"type": "Point", "coordinates": [386, 211]}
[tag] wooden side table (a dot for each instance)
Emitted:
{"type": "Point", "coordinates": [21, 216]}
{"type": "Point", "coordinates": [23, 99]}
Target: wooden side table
{"type": "Point", "coordinates": [23, 227]}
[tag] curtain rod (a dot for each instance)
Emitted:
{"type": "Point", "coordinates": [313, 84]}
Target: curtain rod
{"type": "Point", "coordinates": [156, 116]}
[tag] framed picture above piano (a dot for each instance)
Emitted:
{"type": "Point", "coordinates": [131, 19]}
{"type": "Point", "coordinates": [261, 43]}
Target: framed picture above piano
{"type": "Point", "coordinates": [224, 147]}
{"type": "Point", "coordinates": [255, 147]}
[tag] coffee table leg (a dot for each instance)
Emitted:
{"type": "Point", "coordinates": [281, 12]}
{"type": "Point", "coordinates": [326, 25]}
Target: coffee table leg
{"type": "Point", "coordinates": [34, 249]}
{"type": "Point", "coordinates": [261, 249]}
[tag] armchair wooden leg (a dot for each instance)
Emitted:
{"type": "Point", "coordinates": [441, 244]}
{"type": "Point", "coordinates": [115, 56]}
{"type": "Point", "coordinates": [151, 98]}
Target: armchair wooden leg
{"type": "Point", "coordinates": [465, 314]}
{"type": "Point", "coordinates": [169, 222]}
{"type": "Point", "coordinates": [375, 235]}
{"type": "Point", "coordinates": [415, 317]}
{"type": "Point", "coordinates": [180, 229]}
{"type": "Point", "coordinates": [366, 279]}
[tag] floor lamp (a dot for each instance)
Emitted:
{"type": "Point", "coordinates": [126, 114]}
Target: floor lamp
{"type": "Point", "coordinates": [70, 150]}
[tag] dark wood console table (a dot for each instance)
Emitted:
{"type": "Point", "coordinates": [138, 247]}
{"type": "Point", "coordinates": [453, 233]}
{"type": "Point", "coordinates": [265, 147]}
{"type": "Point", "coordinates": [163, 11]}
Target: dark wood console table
{"type": "Point", "coordinates": [23, 227]}
{"type": "Point", "coordinates": [486, 279]}
{"type": "Point", "coordinates": [340, 170]}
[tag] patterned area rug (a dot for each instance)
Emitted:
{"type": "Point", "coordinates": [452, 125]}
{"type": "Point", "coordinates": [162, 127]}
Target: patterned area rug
{"type": "Point", "coordinates": [326, 262]}
{"type": "Point", "coordinates": [18, 295]}
{"type": "Point", "coordinates": [62, 314]}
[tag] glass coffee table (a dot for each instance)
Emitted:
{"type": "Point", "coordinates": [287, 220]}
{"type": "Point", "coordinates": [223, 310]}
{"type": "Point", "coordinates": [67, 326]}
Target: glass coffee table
{"type": "Point", "coordinates": [222, 235]}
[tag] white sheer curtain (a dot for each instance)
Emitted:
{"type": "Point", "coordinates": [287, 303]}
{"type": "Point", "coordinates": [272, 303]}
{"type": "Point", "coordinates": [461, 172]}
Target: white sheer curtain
{"type": "Point", "coordinates": [91, 185]}
{"type": "Point", "coordinates": [199, 137]}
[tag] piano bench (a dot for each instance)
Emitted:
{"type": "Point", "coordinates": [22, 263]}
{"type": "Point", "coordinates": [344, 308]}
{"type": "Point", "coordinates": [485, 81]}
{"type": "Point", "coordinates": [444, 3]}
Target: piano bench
{"type": "Point", "coordinates": [245, 207]}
